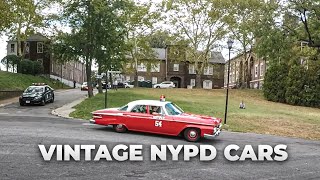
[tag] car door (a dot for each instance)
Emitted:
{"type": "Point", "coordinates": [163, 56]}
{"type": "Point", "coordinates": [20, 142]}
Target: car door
{"type": "Point", "coordinates": [138, 119]}
{"type": "Point", "coordinates": [48, 93]}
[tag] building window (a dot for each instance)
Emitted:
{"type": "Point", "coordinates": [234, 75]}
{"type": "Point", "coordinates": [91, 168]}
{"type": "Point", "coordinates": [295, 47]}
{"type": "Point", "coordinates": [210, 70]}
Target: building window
{"type": "Point", "coordinates": [155, 67]}
{"type": "Point", "coordinates": [261, 69]}
{"type": "Point", "coordinates": [256, 70]}
{"type": "Point", "coordinates": [142, 68]}
{"type": "Point", "coordinates": [192, 69]}
{"type": "Point", "coordinates": [192, 82]}
{"type": "Point", "coordinates": [12, 49]}
{"type": "Point", "coordinates": [39, 47]}
{"type": "Point", "coordinates": [207, 84]}
{"type": "Point", "coordinates": [208, 70]}
{"type": "Point", "coordinates": [176, 67]}
{"type": "Point", "coordinates": [140, 78]}
{"type": "Point", "coordinates": [154, 80]}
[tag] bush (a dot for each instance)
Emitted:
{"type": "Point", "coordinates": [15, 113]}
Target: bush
{"type": "Point", "coordinates": [30, 67]}
{"type": "Point", "coordinates": [295, 85]}
{"type": "Point", "coordinates": [274, 87]}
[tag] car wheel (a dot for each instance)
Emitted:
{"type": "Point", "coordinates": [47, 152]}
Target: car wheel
{"type": "Point", "coordinates": [43, 102]}
{"type": "Point", "coordinates": [21, 104]}
{"type": "Point", "coordinates": [158, 87]}
{"type": "Point", "coordinates": [51, 101]}
{"type": "Point", "coordinates": [192, 134]}
{"type": "Point", "coordinates": [120, 128]}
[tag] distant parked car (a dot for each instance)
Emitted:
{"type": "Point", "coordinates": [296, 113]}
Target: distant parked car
{"type": "Point", "coordinates": [84, 86]}
{"type": "Point", "coordinates": [127, 85]}
{"type": "Point", "coordinates": [165, 84]}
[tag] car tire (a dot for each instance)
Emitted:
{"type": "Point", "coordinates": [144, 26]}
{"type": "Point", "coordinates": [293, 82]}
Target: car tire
{"type": "Point", "coordinates": [52, 99]}
{"type": "Point", "coordinates": [21, 104]}
{"type": "Point", "coordinates": [192, 134]}
{"type": "Point", "coordinates": [120, 128]}
{"type": "Point", "coordinates": [158, 87]}
{"type": "Point", "coordinates": [43, 102]}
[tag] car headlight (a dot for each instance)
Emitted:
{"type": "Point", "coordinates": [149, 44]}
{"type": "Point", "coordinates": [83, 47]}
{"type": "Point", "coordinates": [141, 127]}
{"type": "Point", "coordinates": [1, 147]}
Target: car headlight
{"type": "Point", "coordinates": [37, 97]}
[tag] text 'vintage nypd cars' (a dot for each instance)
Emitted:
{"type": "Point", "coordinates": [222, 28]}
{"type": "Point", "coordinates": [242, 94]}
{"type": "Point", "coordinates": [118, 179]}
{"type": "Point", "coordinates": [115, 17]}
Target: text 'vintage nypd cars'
{"type": "Point", "coordinates": [159, 117]}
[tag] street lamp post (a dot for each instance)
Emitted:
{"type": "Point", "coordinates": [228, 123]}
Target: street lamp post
{"type": "Point", "coordinates": [230, 42]}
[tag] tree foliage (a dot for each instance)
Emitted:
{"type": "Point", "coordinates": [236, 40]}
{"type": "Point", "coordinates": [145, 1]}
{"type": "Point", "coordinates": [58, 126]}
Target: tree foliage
{"type": "Point", "coordinates": [198, 22]}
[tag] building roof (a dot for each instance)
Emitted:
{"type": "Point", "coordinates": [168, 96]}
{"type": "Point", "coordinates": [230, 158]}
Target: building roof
{"type": "Point", "coordinates": [37, 37]}
{"type": "Point", "coordinates": [216, 58]}
{"type": "Point", "coordinates": [159, 53]}
{"type": "Point", "coordinates": [34, 37]}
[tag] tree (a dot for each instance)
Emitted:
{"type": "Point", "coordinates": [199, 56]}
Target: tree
{"type": "Point", "coordinates": [24, 16]}
{"type": "Point", "coordinates": [160, 39]}
{"type": "Point", "coordinates": [109, 35]}
{"type": "Point", "coordinates": [242, 18]}
{"type": "Point", "coordinates": [140, 20]}
{"type": "Point", "coordinates": [97, 35]}
{"type": "Point", "coordinates": [200, 23]}
{"type": "Point", "coordinates": [11, 61]}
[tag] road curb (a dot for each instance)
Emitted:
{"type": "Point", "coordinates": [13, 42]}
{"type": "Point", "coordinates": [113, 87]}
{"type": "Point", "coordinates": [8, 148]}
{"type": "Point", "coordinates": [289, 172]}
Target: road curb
{"type": "Point", "coordinates": [65, 110]}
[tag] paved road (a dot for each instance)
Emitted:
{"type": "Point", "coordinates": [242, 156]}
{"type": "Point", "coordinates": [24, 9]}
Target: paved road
{"type": "Point", "coordinates": [24, 128]}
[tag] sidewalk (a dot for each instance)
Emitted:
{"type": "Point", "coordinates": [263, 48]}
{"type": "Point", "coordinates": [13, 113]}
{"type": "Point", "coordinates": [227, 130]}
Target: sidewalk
{"type": "Point", "coordinates": [65, 110]}
{"type": "Point", "coordinates": [6, 102]}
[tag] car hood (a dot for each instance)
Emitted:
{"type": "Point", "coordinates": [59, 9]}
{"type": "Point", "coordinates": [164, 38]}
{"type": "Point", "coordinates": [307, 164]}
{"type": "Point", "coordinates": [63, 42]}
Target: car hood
{"type": "Point", "coordinates": [198, 119]}
{"type": "Point", "coordinates": [31, 94]}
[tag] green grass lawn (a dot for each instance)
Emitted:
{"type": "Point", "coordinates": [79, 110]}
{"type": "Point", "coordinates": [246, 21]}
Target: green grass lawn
{"type": "Point", "coordinates": [260, 116]}
{"type": "Point", "coordinates": [17, 81]}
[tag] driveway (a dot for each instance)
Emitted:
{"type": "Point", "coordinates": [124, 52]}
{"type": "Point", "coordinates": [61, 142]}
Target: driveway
{"type": "Point", "coordinates": [22, 129]}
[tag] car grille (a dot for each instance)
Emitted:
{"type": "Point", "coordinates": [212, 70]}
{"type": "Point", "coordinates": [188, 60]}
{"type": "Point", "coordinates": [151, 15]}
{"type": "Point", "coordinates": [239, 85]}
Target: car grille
{"type": "Point", "coordinates": [27, 98]}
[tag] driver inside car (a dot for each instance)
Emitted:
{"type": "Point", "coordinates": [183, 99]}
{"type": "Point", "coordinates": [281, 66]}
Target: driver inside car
{"type": "Point", "coordinates": [155, 110]}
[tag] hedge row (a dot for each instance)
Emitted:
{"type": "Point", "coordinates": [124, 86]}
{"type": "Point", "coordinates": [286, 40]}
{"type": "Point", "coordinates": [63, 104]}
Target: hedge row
{"type": "Point", "coordinates": [294, 84]}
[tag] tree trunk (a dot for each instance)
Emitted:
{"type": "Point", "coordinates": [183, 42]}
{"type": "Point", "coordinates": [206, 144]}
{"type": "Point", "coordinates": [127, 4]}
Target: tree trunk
{"type": "Point", "coordinates": [136, 79]}
{"type": "Point", "coordinates": [99, 80]}
{"type": "Point", "coordinates": [198, 81]}
{"type": "Point", "coordinates": [88, 71]}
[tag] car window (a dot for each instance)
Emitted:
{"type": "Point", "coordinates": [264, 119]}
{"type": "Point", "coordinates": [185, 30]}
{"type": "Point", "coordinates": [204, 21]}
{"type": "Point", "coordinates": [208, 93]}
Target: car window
{"type": "Point", "coordinates": [173, 109]}
{"type": "Point", "coordinates": [47, 89]}
{"type": "Point", "coordinates": [155, 109]}
{"type": "Point", "coordinates": [139, 109]}
{"type": "Point", "coordinates": [124, 108]}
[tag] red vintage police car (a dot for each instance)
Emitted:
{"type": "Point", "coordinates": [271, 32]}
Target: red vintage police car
{"type": "Point", "coordinates": [158, 117]}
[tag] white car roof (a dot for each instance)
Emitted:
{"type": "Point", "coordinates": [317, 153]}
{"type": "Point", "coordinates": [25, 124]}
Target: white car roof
{"type": "Point", "coordinates": [148, 102]}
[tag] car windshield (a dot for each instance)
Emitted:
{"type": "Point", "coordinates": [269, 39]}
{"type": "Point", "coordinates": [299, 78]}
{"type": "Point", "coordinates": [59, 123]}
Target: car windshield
{"type": "Point", "coordinates": [34, 89]}
{"type": "Point", "coordinates": [173, 109]}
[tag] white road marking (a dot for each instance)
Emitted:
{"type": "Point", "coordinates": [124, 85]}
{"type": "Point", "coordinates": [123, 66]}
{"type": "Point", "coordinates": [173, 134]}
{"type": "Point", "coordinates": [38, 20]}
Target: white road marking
{"type": "Point", "coordinates": [3, 113]}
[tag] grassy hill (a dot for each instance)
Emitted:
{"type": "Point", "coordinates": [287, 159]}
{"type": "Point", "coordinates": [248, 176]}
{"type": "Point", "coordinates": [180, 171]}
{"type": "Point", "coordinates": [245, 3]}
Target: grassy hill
{"type": "Point", "coordinates": [260, 115]}
{"type": "Point", "coordinates": [17, 81]}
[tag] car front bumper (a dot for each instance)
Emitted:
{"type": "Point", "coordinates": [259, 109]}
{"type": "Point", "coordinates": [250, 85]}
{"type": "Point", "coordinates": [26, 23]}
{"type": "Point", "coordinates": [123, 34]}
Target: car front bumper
{"type": "Point", "coordinates": [30, 101]}
{"type": "Point", "coordinates": [216, 130]}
